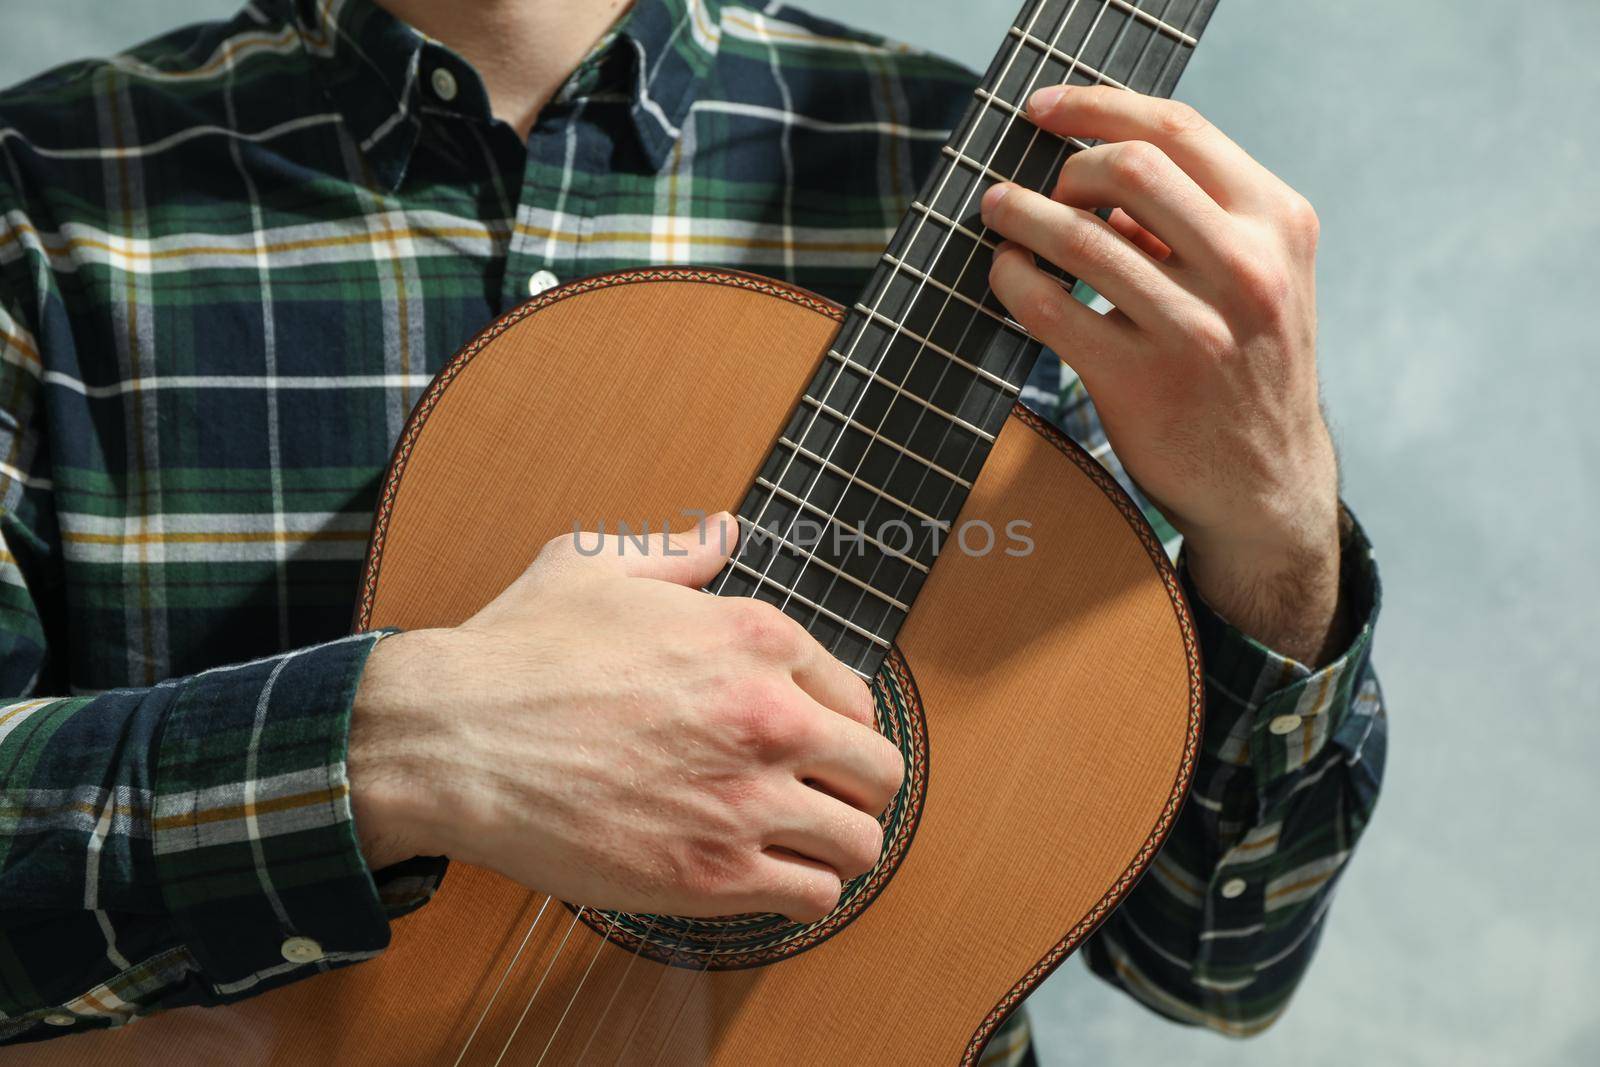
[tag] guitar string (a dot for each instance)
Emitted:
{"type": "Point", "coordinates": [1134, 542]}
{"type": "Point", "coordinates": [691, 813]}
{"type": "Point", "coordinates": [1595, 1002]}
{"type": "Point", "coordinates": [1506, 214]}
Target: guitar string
{"type": "Point", "coordinates": [1161, 76]}
{"type": "Point", "coordinates": [1016, 50]}
{"type": "Point", "coordinates": [1040, 65]}
{"type": "Point", "coordinates": [1032, 79]}
{"type": "Point", "coordinates": [976, 183]}
{"type": "Point", "coordinates": [600, 944]}
{"type": "Point", "coordinates": [573, 925]}
{"type": "Point", "coordinates": [634, 956]}
{"type": "Point", "coordinates": [1129, 78]}
{"type": "Point", "coordinates": [515, 956]}
{"type": "Point", "coordinates": [644, 1010]}
{"type": "Point", "coordinates": [599, 947]}
{"type": "Point", "coordinates": [1066, 149]}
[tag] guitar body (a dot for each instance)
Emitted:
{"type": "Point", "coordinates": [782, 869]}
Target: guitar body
{"type": "Point", "coordinates": [1049, 704]}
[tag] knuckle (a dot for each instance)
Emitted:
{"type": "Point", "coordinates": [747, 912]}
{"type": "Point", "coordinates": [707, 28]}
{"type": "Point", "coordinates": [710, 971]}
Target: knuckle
{"type": "Point", "coordinates": [761, 717]}
{"type": "Point", "coordinates": [1210, 337]}
{"type": "Point", "coordinates": [893, 770]}
{"type": "Point", "coordinates": [1135, 165]}
{"type": "Point", "coordinates": [762, 629]}
{"type": "Point", "coordinates": [864, 847]}
{"type": "Point", "coordinates": [1177, 119]}
{"type": "Point", "coordinates": [560, 547]}
{"type": "Point", "coordinates": [1261, 284]}
{"type": "Point", "coordinates": [1040, 311]}
{"type": "Point", "coordinates": [712, 866]}
{"type": "Point", "coordinates": [818, 897]}
{"type": "Point", "coordinates": [866, 707]}
{"type": "Point", "coordinates": [1300, 221]}
{"type": "Point", "coordinates": [1079, 241]}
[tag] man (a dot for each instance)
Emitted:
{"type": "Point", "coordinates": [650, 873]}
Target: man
{"type": "Point", "coordinates": [230, 261]}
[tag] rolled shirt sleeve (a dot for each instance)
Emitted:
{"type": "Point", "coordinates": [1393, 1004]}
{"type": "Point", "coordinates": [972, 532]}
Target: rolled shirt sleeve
{"type": "Point", "coordinates": [1223, 927]}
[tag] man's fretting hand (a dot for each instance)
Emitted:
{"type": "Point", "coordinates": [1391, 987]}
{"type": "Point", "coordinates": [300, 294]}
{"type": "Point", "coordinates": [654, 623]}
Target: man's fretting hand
{"type": "Point", "coordinates": [607, 733]}
{"type": "Point", "coordinates": [1205, 374]}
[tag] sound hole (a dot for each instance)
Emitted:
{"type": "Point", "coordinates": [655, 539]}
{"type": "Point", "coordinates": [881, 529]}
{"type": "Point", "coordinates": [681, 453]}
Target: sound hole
{"type": "Point", "coordinates": [731, 942]}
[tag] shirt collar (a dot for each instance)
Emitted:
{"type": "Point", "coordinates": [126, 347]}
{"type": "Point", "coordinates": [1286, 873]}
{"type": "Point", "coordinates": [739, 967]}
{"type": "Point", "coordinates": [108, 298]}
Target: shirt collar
{"type": "Point", "coordinates": [371, 65]}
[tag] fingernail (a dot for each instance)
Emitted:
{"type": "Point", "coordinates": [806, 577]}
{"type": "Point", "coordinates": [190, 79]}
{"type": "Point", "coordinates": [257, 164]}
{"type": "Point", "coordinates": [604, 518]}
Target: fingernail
{"type": "Point", "coordinates": [992, 198]}
{"type": "Point", "coordinates": [1044, 101]}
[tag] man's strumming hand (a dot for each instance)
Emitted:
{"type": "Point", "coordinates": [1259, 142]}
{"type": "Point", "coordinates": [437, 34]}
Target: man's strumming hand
{"type": "Point", "coordinates": [605, 732]}
{"type": "Point", "coordinates": [1205, 374]}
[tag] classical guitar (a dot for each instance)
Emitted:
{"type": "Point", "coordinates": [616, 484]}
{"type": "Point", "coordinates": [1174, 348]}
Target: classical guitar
{"type": "Point", "coordinates": [1042, 680]}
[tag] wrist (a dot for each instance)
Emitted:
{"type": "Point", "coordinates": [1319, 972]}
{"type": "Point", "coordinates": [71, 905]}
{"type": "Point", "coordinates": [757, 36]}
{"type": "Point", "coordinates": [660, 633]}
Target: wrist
{"type": "Point", "coordinates": [1281, 588]}
{"type": "Point", "coordinates": [389, 763]}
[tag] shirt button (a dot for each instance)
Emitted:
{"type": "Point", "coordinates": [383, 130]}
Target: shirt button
{"type": "Point", "coordinates": [301, 950]}
{"type": "Point", "coordinates": [60, 1018]}
{"type": "Point", "coordinates": [444, 84]}
{"type": "Point", "coordinates": [1284, 724]}
{"type": "Point", "coordinates": [1233, 888]}
{"type": "Point", "coordinates": [541, 280]}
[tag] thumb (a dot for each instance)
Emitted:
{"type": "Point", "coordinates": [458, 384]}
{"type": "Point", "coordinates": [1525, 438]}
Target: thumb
{"type": "Point", "coordinates": [690, 558]}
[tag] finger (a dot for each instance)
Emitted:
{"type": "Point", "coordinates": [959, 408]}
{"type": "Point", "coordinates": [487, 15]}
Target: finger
{"type": "Point", "coordinates": [794, 886]}
{"type": "Point", "coordinates": [1144, 182]}
{"type": "Point", "coordinates": [1091, 343]}
{"type": "Point", "coordinates": [692, 558]}
{"type": "Point", "coordinates": [1084, 246]}
{"type": "Point", "coordinates": [1096, 112]}
{"type": "Point", "coordinates": [1148, 242]}
{"type": "Point", "coordinates": [821, 828]}
{"type": "Point", "coordinates": [852, 762]}
{"type": "Point", "coordinates": [833, 685]}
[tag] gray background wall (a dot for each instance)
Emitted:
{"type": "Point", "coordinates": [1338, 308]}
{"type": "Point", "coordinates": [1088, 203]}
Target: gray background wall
{"type": "Point", "coordinates": [1450, 148]}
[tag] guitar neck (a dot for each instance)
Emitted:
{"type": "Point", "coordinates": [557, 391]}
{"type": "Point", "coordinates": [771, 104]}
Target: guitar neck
{"type": "Point", "coordinates": [865, 484]}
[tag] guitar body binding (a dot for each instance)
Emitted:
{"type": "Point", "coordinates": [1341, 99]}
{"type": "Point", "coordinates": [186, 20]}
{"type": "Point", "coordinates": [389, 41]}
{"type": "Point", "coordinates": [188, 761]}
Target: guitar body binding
{"type": "Point", "coordinates": [1050, 728]}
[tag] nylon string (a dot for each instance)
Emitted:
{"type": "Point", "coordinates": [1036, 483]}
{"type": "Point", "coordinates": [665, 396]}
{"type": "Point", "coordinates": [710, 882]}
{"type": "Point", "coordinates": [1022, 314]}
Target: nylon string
{"type": "Point", "coordinates": [952, 166]}
{"type": "Point", "coordinates": [973, 319]}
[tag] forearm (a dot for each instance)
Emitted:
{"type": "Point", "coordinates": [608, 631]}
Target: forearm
{"type": "Point", "coordinates": [1280, 585]}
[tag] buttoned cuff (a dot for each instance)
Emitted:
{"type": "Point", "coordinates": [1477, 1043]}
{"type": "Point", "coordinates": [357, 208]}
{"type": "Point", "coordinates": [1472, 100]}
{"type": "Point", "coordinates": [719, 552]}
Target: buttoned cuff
{"type": "Point", "coordinates": [1270, 712]}
{"type": "Point", "coordinates": [253, 838]}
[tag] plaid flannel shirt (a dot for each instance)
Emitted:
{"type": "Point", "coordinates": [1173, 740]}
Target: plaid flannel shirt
{"type": "Point", "coordinates": [230, 260]}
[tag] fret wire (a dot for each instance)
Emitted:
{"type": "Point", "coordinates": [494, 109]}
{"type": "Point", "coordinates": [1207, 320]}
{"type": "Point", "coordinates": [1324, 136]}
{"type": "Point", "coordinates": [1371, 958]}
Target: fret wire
{"type": "Point", "coordinates": [972, 129]}
{"type": "Point", "coordinates": [990, 99]}
{"type": "Point", "coordinates": [868, 486]}
{"type": "Point", "coordinates": [976, 305]}
{"type": "Point", "coordinates": [1038, 8]}
{"type": "Point", "coordinates": [961, 228]}
{"type": "Point", "coordinates": [876, 436]}
{"type": "Point", "coordinates": [965, 159]}
{"type": "Point", "coordinates": [1144, 50]}
{"type": "Point", "coordinates": [1076, 64]}
{"type": "Point", "coordinates": [835, 520]}
{"type": "Point", "coordinates": [1002, 104]}
{"type": "Point", "coordinates": [766, 580]}
{"type": "Point", "coordinates": [811, 555]}
{"type": "Point", "coordinates": [973, 164]}
{"type": "Point", "coordinates": [966, 231]}
{"type": "Point", "coordinates": [1159, 26]}
{"type": "Point", "coordinates": [988, 376]}
{"type": "Point", "coordinates": [1162, 28]}
{"type": "Point", "coordinates": [913, 397]}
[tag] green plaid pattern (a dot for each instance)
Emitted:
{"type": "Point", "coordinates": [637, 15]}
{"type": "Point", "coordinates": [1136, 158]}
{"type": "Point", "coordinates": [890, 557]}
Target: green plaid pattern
{"type": "Point", "coordinates": [230, 260]}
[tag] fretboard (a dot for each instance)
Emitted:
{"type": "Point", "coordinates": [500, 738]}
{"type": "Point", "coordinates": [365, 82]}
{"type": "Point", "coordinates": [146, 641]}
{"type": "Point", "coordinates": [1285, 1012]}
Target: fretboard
{"type": "Point", "coordinates": [865, 485]}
